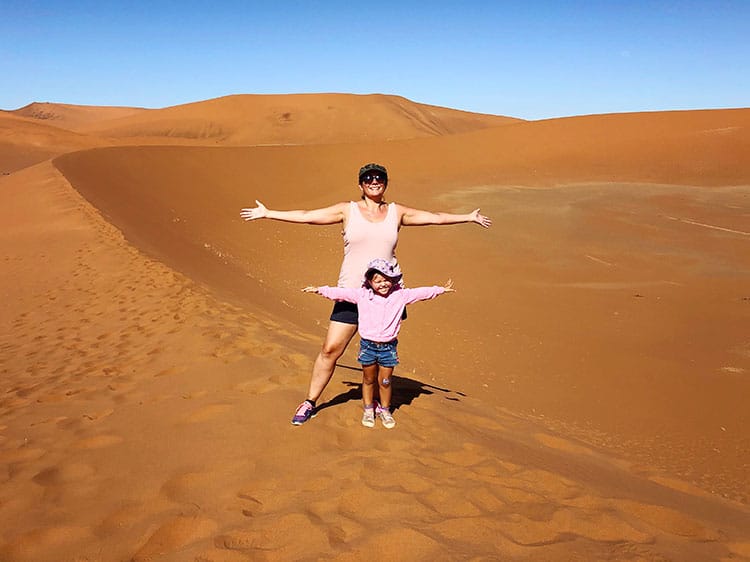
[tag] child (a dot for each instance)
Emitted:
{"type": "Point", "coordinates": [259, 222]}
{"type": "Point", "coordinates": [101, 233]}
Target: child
{"type": "Point", "coordinates": [381, 301]}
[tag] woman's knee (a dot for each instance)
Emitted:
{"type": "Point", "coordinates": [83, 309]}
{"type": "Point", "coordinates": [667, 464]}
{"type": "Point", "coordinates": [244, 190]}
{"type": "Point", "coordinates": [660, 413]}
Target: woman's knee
{"type": "Point", "coordinates": [335, 343]}
{"type": "Point", "coordinates": [332, 351]}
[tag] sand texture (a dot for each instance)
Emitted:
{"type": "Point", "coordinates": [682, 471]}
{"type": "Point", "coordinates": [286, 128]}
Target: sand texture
{"type": "Point", "coordinates": [582, 396]}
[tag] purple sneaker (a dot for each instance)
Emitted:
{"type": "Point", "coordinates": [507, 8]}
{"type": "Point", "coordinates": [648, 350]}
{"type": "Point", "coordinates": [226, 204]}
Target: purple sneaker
{"type": "Point", "coordinates": [304, 412]}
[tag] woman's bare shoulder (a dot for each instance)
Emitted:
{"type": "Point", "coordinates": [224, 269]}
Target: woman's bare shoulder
{"type": "Point", "coordinates": [406, 210]}
{"type": "Point", "coordinates": [343, 208]}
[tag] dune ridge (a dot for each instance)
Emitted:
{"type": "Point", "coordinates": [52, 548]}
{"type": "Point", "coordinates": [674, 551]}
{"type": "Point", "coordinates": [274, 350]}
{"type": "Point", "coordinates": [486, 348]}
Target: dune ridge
{"type": "Point", "coordinates": [580, 397]}
{"type": "Point", "coordinates": [239, 120]}
{"type": "Point", "coordinates": [290, 119]}
{"type": "Point", "coordinates": [73, 117]}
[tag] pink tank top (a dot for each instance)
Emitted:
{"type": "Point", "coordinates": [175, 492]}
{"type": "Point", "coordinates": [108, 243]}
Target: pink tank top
{"type": "Point", "coordinates": [364, 241]}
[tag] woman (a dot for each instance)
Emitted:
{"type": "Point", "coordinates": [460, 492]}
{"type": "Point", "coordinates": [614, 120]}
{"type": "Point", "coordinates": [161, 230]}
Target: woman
{"type": "Point", "coordinates": [370, 230]}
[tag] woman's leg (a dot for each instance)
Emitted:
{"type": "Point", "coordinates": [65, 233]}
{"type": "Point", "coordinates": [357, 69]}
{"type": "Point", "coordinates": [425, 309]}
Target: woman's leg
{"type": "Point", "coordinates": [338, 337]}
{"type": "Point", "coordinates": [384, 383]}
{"type": "Point", "coordinates": [369, 378]}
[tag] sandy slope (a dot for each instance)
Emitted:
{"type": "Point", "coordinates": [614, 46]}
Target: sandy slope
{"type": "Point", "coordinates": [580, 397]}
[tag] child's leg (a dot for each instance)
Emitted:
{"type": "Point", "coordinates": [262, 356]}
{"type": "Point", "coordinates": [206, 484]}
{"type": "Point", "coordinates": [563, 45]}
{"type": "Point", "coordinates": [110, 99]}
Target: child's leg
{"type": "Point", "coordinates": [369, 376]}
{"type": "Point", "coordinates": [384, 384]}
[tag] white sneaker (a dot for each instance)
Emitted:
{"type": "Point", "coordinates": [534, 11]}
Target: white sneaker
{"type": "Point", "coordinates": [368, 417]}
{"type": "Point", "coordinates": [386, 418]}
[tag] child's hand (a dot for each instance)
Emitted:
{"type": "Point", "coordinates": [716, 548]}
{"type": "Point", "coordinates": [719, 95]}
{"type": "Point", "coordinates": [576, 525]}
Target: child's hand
{"type": "Point", "coordinates": [449, 286]}
{"type": "Point", "coordinates": [310, 289]}
{"type": "Point", "coordinates": [252, 213]}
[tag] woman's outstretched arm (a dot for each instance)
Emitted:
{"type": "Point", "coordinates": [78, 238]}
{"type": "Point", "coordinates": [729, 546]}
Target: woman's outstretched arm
{"type": "Point", "coordinates": [415, 217]}
{"type": "Point", "coordinates": [326, 215]}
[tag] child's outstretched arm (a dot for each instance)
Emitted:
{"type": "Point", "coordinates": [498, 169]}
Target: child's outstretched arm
{"type": "Point", "coordinates": [334, 293]}
{"type": "Point", "coordinates": [426, 293]}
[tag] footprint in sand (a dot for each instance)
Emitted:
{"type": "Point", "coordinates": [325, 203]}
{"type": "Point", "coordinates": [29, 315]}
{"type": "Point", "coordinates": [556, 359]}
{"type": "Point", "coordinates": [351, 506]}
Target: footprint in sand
{"type": "Point", "coordinates": [98, 442]}
{"type": "Point", "coordinates": [286, 380]}
{"type": "Point", "coordinates": [259, 385]}
{"type": "Point", "coordinates": [414, 483]}
{"type": "Point", "coordinates": [174, 535]}
{"type": "Point", "coordinates": [169, 371]}
{"type": "Point", "coordinates": [96, 416]}
{"type": "Point", "coordinates": [450, 503]}
{"type": "Point", "coordinates": [64, 474]}
{"type": "Point", "coordinates": [207, 413]}
{"type": "Point", "coordinates": [254, 350]}
{"type": "Point", "coordinates": [469, 455]}
{"type": "Point", "coordinates": [197, 488]}
{"type": "Point", "coordinates": [382, 504]}
{"type": "Point", "coordinates": [296, 362]}
{"type": "Point", "coordinates": [667, 519]}
{"type": "Point", "coordinates": [57, 419]}
{"type": "Point", "coordinates": [43, 543]}
{"type": "Point", "coordinates": [376, 546]}
{"type": "Point", "coordinates": [561, 444]}
{"type": "Point", "coordinates": [195, 395]}
{"type": "Point", "coordinates": [476, 531]}
{"type": "Point", "coordinates": [275, 537]}
{"type": "Point", "coordinates": [566, 522]}
{"type": "Point", "coordinates": [252, 506]}
{"type": "Point", "coordinates": [268, 496]}
{"type": "Point", "coordinates": [124, 517]}
{"type": "Point", "coordinates": [21, 454]}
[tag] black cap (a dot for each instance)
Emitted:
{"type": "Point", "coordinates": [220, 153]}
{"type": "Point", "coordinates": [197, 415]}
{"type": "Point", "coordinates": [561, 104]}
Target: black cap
{"type": "Point", "coordinates": [372, 167]}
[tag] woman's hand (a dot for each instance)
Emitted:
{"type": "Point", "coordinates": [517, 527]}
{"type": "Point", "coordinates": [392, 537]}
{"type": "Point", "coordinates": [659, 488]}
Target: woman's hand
{"type": "Point", "coordinates": [252, 213]}
{"type": "Point", "coordinates": [449, 286]}
{"type": "Point", "coordinates": [310, 289]}
{"type": "Point", "coordinates": [480, 219]}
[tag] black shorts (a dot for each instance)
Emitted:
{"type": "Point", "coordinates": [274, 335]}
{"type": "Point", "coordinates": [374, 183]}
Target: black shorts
{"type": "Point", "coordinates": [347, 313]}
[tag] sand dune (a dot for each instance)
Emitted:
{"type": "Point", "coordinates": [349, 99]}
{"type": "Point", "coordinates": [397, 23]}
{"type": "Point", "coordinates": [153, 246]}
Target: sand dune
{"type": "Point", "coordinates": [700, 148]}
{"type": "Point", "coordinates": [296, 119]}
{"type": "Point", "coordinates": [24, 142]}
{"type": "Point", "coordinates": [581, 397]}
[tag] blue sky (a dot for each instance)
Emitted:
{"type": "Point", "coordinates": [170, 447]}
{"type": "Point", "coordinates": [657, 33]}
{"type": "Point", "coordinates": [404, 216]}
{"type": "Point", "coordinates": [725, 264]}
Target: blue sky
{"type": "Point", "coordinates": [532, 59]}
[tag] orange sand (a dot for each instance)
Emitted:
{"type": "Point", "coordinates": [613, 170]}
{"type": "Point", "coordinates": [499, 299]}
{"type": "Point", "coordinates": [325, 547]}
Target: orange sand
{"type": "Point", "coordinates": [581, 397]}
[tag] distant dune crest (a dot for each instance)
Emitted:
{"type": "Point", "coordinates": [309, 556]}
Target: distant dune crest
{"type": "Point", "coordinates": [41, 130]}
{"type": "Point", "coordinates": [242, 120]}
{"type": "Point", "coordinates": [73, 117]}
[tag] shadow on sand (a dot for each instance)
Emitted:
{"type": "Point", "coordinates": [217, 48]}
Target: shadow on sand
{"type": "Point", "coordinates": [405, 391]}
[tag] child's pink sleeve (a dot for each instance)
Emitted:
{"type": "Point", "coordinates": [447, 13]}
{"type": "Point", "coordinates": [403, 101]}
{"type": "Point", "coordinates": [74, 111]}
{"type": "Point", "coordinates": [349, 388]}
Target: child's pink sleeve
{"type": "Point", "coordinates": [422, 293]}
{"type": "Point", "coordinates": [340, 293]}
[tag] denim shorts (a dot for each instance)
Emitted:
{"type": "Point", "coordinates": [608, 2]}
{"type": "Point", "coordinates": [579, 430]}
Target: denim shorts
{"type": "Point", "coordinates": [384, 354]}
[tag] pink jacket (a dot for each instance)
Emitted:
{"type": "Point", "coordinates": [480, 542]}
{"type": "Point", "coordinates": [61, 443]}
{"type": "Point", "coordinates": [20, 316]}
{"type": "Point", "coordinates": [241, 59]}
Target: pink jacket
{"type": "Point", "coordinates": [380, 317]}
